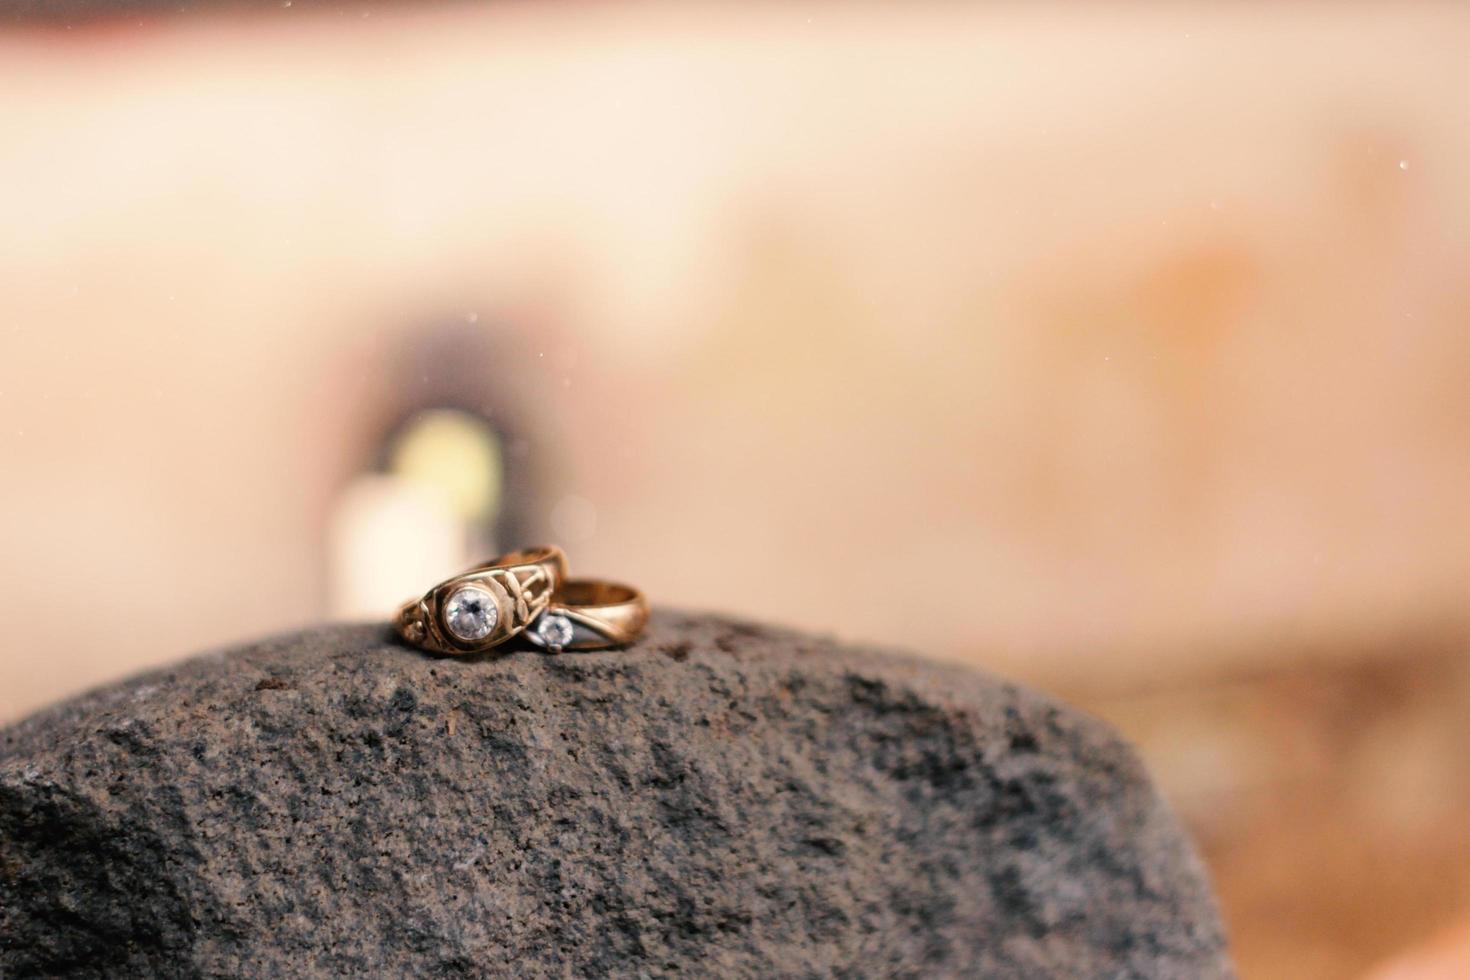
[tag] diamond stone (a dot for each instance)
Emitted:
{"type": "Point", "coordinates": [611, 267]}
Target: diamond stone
{"type": "Point", "coordinates": [555, 630]}
{"type": "Point", "coordinates": [471, 614]}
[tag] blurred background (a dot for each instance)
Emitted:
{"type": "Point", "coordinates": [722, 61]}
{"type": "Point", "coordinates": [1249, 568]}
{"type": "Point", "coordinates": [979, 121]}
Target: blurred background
{"type": "Point", "coordinates": [1121, 349]}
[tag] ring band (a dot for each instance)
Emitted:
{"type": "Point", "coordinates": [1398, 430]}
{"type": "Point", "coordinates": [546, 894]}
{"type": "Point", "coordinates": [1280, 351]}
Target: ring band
{"type": "Point", "coordinates": [486, 605]}
{"type": "Point", "coordinates": [588, 614]}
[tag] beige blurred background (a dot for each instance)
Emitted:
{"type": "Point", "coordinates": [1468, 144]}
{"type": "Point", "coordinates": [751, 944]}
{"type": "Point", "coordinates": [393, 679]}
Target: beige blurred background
{"type": "Point", "coordinates": [1121, 349]}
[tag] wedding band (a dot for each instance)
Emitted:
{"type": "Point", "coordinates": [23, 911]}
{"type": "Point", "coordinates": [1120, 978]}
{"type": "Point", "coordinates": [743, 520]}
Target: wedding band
{"type": "Point", "coordinates": [588, 614]}
{"type": "Point", "coordinates": [485, 606]}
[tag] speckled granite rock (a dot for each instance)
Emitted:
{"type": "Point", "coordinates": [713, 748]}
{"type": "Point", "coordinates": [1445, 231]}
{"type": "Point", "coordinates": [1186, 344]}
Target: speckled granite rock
{"type": "Point", "coordinates": [722, 800]}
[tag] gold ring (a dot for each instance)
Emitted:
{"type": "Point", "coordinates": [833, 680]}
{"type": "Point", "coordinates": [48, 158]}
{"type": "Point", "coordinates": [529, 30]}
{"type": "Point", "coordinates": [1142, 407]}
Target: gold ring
{"type": "Point", "coordinates": [588, 614]}
{"type": "Point", "coordinates": [485, 606]}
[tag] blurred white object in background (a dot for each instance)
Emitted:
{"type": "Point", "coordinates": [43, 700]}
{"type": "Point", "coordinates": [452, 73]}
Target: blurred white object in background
{"type": "Point", "coordinates": [430, 515]}
{"type": "Point", "coordinates": [389, 540]}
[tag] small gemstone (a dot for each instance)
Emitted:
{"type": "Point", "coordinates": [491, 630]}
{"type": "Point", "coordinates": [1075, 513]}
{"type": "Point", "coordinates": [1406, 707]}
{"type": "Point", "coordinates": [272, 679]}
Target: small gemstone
{"type": "Point", "coordinates": [555, 630]}
{"type": "Point", "coordinates": [471, 614]}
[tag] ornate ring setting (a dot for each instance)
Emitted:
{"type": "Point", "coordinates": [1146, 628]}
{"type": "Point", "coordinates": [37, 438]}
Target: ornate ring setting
{"type": "Point", "coordinates": [485, 606]}
{"type": "Point", "coordinates": [589, 614]}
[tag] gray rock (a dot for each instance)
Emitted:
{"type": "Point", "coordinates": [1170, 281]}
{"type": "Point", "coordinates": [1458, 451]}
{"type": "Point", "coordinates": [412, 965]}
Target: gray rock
{"type": "Point", "coordinates": [723, 799]}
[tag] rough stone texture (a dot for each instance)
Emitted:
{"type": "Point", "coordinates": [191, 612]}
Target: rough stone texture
{"type": "Point", "coordinates": [724, 799]}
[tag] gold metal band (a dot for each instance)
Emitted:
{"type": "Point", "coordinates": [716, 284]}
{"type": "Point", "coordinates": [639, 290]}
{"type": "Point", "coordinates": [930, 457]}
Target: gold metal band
{"type": "Point", "coordinates": [485, 606]}
{"type": "Point", "coordinates": [589, 614]}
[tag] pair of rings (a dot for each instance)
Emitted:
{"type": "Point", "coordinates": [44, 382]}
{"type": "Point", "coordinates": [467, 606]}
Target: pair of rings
{"type": "Point", "coordinates": [523, 593]}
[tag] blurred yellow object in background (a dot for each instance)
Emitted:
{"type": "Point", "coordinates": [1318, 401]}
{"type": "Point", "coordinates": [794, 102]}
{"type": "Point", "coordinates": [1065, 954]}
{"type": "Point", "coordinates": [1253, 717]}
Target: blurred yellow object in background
{"type": "Point", "coordinates": [456, 454]}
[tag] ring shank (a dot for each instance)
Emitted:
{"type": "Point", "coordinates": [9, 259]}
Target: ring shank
{"type": "Point", "coordinates": [610, 614]}
{"type": "Point", "coordinates": [548, 556]}
{"type": "Point", "coordinates": [594, 592]}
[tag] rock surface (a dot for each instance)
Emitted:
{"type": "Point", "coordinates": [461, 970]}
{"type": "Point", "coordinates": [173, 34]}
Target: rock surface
{"type": "Point", "coordinates": [724, 799]}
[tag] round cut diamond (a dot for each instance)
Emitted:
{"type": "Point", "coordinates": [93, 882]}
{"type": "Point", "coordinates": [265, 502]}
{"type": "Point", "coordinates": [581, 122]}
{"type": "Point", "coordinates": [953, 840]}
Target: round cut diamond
{"type": "Point", "coordinates": [555, 630]}
{"type": "Point", "coordinates": [471, 614]}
